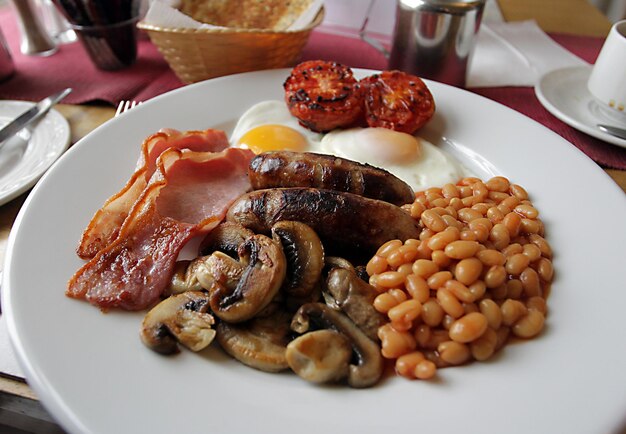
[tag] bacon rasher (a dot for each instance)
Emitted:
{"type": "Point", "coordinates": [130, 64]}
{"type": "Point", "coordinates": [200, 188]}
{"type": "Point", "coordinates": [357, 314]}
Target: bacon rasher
{"type": "Point", "coordinates": [105, 224]}
{"type": "Point", "coordinates": [188, 195]}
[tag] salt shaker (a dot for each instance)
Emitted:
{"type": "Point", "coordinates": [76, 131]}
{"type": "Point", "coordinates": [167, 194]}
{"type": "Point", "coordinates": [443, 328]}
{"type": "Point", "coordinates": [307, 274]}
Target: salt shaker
{"type": "Point", "coordinates": [35, 39]}
{"type": "Point", "coordinates": [55, 24]}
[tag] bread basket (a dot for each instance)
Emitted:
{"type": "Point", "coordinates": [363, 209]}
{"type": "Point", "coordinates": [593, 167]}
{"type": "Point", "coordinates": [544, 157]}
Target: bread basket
{"type": "Point", "coordinates": [200, 54]}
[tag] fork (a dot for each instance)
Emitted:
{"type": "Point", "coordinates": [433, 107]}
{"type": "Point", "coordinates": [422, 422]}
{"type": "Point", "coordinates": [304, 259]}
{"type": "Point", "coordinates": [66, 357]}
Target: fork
{"type": "Point", "coordinates": [125, 105]}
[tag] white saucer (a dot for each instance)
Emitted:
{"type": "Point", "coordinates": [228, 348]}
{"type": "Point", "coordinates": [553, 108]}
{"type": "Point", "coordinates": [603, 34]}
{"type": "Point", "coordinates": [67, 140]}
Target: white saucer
{"type": "Point", "coordinates": [564, 93]}
{"type": "Point", "coordinates": [25, 157]}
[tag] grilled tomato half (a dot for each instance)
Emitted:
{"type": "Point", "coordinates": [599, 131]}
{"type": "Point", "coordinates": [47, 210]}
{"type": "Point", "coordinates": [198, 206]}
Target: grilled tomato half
{"type": "Point", "coordinates": [397, 101]}
{"type": "Point", "coordinates": [323, 95]}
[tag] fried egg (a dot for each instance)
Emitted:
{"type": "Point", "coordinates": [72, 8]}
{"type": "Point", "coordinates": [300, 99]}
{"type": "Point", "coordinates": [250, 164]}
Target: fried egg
{"type": "Point", "coordinates": [268, 126]}
{"type": "Point", "coordinates": [416, 161]}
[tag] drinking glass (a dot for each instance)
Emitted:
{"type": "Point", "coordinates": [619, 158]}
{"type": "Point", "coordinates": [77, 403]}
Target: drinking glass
{"type": "Point", "coordinates": [106, 28]}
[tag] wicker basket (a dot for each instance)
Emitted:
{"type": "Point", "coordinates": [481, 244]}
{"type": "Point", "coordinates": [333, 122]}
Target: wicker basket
{"type": "Point", "coordinates": [199, 54]}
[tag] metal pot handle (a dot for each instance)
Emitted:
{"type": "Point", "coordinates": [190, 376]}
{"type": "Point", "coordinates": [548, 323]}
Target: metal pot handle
{"type": "Point", "coordinates": [371, 41]}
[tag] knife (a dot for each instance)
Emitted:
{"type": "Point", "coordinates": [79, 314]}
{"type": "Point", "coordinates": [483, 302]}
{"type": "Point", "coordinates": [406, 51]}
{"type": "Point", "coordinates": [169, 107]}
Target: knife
{"type": "Point", "coordinates": [615, 131]}
{"type": "Point", "coordinates": [31, 115]}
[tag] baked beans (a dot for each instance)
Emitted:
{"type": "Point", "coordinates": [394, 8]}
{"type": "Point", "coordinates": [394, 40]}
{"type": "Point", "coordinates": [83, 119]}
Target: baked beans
{"type": "Point", "coordinates": [425, 268]}
{"type": "Point", "coordinates": [395, 343]}
{"type": "Point", "coordinates": [442, 239]}
{"type": "Point", "coordinates": [388, 247]}
{"type": "Point", "coordinates": [530, 325]}
{"type": "Point", "coordinates": [468, 270]}
{"type": "Point", "coordinates": [500, 236]}
{"type": "Point", "coordinates": [449, 303]}
{"type": "Point", "coordinates": [484, 347]}
{"type": "Point", "coordinates": [494, 214]}
{"type": "Point", "coordinates": [439, 279]}
{"type": "Point", "coordinates": [385, 301]}
{"type": "Point", "coordinates": [514, 289]}
{"type": "Point", "coordinates": [425, 370]}
{"type": "Point", "coordinates": [454, 352]}
{"type": "Point", "coordinates": [498, 184]}
{"type": "Point", "coordinates": [512, 311]}
{"type": "Point", "coordinates": [517, 263]}
{"type": "Point", "coordinates": [513, 223]}
{"type": "Point", "coordinates": [462, 249]}
{"type": "Point", "coordinates": [492, 313]}
{"type": "Point", "coordinates": [545, 270]}
{"type": "Point", "coordinates": [478, 274]}
{"type": "Point", "coordinates": [495, 276]}
{"type": "Point", "coordinates": [422, 334]}
{"type": "Point", "coordinates": [432, 313]}
{"type": "Point", "coordinates": [491, 257]}
{"type": "Point", "coordinates": [406, 311]}
{"type": "Point", "coordinates": [477, 289]}
{"type": "Point", "coordinates": [440, 258]}
{"type": "Point", "coordinates": [468, 328]}
{"type": "Point", "coordinates": [433, 221]}
{"type": "Point", "coordinates": [406, 363]}
{"type": "Point", "coordinates": [417, 287]}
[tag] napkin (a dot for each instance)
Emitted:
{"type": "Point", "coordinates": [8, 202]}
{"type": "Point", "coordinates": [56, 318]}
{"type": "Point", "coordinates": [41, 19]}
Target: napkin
{"type": "Point", "coordinates": [163, 13]}
{"type": "Point", "coordinates": [515, 54]}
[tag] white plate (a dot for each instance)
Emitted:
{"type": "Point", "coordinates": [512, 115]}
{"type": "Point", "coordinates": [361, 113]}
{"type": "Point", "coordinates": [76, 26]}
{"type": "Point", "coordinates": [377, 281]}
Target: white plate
{"type": "Point", "coordinates": [25, 157]}
{"type": "Point", "coordinates": [564, 93]}
{"type": "Point", "coordinates": [92, 372]}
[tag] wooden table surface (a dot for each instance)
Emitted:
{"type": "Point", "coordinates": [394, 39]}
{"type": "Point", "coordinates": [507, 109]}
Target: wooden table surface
{"type": "Point", "coordinates": [561, 16]}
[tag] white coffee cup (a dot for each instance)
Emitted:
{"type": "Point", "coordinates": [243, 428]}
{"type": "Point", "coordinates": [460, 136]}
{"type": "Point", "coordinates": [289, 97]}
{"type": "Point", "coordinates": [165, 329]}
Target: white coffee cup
{"type": "Point", "coordinates": [607, 82]}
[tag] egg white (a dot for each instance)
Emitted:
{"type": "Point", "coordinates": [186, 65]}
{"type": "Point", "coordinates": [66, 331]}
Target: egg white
{"type": "Point", "coordinates": [429, 168]}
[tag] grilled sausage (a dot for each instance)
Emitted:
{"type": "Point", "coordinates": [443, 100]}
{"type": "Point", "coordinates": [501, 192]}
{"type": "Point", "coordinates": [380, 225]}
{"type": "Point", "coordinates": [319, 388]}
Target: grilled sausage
{"type": "Point", "coordinates": [344, 220]}
{"type": "Point", "coordinates": [305, 169]}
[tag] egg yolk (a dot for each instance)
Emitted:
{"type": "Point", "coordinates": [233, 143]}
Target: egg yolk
{"type": "Point", "coordinates": [273, 138]}
{"type": "Point", "coordinates": [390, 146]}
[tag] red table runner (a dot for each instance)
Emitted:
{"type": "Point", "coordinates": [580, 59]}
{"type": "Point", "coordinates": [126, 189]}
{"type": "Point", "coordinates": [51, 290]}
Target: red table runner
{"type": "Point", "coordinates": [38, 77]}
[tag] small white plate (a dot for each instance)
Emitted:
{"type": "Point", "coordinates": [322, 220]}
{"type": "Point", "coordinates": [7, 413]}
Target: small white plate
{"type": "Point", "coordinates": [25, 157]}
{"type": "Point", "coordinates": [564, 93]}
